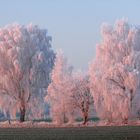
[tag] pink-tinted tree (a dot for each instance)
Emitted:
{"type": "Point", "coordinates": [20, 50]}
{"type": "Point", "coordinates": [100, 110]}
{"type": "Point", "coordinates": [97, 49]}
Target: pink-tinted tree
{"type": "Point", "coordinates": [81, 97]}
{"type": "Point", "coordinates": [59, 91]}
{"type": "Point", "coordinates": [26, 60]}
{"type": "Point", "coordinates": [113, 72]}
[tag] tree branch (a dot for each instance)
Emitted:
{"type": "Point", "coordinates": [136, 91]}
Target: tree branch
{"type": "Point", "coordinates": [117, 83]}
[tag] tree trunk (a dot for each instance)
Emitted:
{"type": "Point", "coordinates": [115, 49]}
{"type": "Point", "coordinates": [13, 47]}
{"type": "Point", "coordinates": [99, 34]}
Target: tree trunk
{"type": "Point", "coordinates": [125, 121]}
{"type": "Point", "coordinates": [9, 121]}
{"type": "Point", "coordinates": [85, 115]}
{"type": "Point", "coordinates": [22, 114]}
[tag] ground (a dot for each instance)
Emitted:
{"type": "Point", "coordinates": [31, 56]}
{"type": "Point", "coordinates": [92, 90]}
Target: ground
{"type": "Point", "coordinates": [94, 130]}
{"type": "Point", "coordinates": [72, 133]}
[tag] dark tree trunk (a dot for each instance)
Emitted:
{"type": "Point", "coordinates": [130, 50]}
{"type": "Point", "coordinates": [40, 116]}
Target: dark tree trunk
{"type": "Point", "coordinates": [9, 121]}
{"type": "Point", "coordinates": [125, 121]}
{"type": "Point", "coordinates": [85, 115]}
{"type": "Point", "coordinates": [22, 114]}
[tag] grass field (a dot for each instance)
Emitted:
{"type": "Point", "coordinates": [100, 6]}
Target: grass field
{"type": "Point", "coordinates": [83, 133]}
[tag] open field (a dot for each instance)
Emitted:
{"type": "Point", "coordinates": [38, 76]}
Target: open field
{"type": "Point", "coordinates": [79, 133]}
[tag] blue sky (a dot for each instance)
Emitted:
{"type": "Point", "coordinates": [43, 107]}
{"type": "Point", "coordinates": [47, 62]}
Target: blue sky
{"type": "Point", "coordinates": [73, 24]}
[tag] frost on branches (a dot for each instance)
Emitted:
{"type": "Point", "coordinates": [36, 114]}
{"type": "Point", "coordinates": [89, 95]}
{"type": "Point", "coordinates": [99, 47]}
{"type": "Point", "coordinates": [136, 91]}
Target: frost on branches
{"type": "Point", "coordinates": [59, 91]}
{"type": "Point", "coordinates": [114, 73]}
{"type": "Point", "coordinates": [81, 97]}
{"type": "Point", "coordinates": [68, 93]}
{"type": "Point", "coordinates": [26, 60]}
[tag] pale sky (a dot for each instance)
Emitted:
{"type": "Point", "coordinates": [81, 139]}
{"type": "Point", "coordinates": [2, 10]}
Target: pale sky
{"type": "Point", "coordinates": [73, 24]}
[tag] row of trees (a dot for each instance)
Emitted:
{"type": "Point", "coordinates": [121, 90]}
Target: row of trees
{"type": "Point", "coordinates": [68, 92]}
{"type": "Point", "coordinates": [112, 81]}
{"type": "Point", "coordinates": [26, 62]}
{"type": "Point", "coordinates": [32, 75]}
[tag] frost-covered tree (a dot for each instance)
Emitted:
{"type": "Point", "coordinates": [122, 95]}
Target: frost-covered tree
{"type": "Point", "coordinates": [114, 71]}
{"type": "Point", "coordinates": [26, 60]}
{"type": "Point", "coordinates": [59, 90]}
{"type": "Point", "coordinates": [81, 97]}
